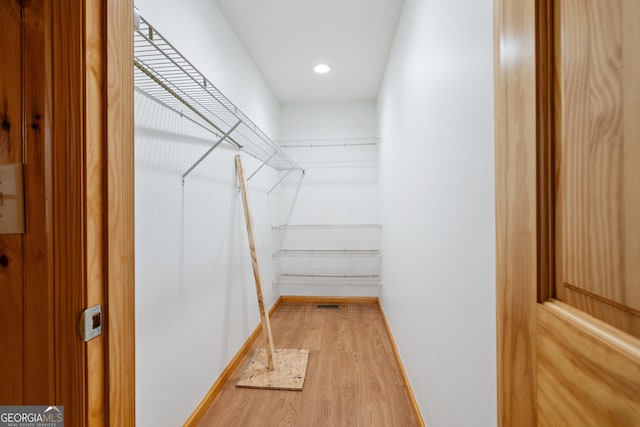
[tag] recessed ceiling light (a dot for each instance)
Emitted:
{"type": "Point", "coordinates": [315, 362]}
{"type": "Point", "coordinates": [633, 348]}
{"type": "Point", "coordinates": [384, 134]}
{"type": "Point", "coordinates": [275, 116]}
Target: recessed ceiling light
{"type": "Point", "coordinates": [322, 68]}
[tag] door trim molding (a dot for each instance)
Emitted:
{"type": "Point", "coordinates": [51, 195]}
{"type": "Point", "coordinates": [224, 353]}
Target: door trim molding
{"type": "Point", "coordinates": [516, 209]}
{"type": "Point", "coordinates": [119, 211]}
{"type": "Point", "coordinates": [89, 63]}
{"type": "Point", "coordinates": [65, 96]}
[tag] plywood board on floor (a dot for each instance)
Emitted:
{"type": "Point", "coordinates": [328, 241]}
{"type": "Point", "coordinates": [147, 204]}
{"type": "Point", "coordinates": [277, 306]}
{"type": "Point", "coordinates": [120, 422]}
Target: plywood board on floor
{"type": "Point", "coordinates": [289, 373]}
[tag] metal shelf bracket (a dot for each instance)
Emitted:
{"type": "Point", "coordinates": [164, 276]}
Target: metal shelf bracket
{"type": "Point", "coordinates": [261, 166]}
{"type": "Point", "coordinates": [280, 180]}
{"type": "Point", "coordinates": [204, 156]}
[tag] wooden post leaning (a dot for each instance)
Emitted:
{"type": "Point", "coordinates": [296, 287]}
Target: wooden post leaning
{"type": "Point", "coordinates": [264, 316]}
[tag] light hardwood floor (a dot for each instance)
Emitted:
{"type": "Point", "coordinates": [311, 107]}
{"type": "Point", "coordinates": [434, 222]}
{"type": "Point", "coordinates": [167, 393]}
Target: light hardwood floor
{"type": "Point", "coordinates": [353, 378]}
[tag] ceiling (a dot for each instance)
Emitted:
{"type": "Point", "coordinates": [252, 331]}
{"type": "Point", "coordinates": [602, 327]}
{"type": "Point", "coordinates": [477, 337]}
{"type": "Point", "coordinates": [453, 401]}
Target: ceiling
{"type": "Point", "coordinates": [286, 38]}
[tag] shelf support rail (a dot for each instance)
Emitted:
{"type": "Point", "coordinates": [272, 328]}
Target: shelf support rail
{"type": "Point", "coordinates": [225, 136]}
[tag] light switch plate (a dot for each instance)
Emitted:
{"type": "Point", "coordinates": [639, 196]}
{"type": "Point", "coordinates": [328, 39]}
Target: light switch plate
{"type": "Point", "coordinates": [11, 199]}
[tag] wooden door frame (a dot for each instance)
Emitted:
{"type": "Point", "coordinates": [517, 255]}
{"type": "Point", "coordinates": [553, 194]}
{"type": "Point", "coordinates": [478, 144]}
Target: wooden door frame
{"type": "Point", "coordinates": [524, 129]}
{"type": "Point", "coordinates": [527, 315]}
{"type": "Point", "coordinates": [516, 209]}
{"type": "Point", "coordinates": [89, 91]}
{"type": "Point", "coordinates": [120, 212]}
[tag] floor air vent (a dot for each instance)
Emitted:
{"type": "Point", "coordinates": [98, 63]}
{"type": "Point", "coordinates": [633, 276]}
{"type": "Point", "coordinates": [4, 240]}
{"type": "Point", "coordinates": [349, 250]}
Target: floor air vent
{"type": "Point", "coordinates": [331, 306]}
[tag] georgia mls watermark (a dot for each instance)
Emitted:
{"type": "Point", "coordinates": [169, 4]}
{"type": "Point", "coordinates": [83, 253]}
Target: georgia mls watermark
{"type": "Point", "coordinates": [31, 416]}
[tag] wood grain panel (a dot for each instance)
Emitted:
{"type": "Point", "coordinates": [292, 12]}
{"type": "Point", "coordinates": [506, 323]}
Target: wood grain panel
{"type": "Point", "coordinates": [631, 150]}
{"type": "Point", "coordinates": [11, 321]}
{"type": "Point", "coordinates": [11, 246]}
{"type": "Point", "coordinates": [120, 211]}
{"type": "Point", "coordinates": [95, 165]}
{"type": "Point", "coordinates": [516, 222]}
{"type": "Point", "coordinates": [352, 378]}
{"type": "Point", "coordinates": [38, 268]}
{"type": "Point", "coordinates": [66, 41]}
{"type": "Point", "coordinates": [588, 373]}
{"type": "Point", "coordinates": [598, 148]}
{"type": "Point", "coordinates": [10, 80]}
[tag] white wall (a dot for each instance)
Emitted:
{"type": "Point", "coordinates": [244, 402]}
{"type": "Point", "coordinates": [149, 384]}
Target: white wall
{"type": "Point", "coordinates": [437, 192]}
{"type": "Point", "coordinates": [341, 182]}
{"type": "Point", "coordinates": [195, 296]}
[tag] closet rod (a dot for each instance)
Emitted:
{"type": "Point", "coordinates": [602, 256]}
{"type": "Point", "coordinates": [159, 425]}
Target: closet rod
{"type": "Point", "coordinates": [329, 138]}
{"type": "Point", "coordinates": [328, 141]}
{"type": "Point", "coordinates": [357, 144]}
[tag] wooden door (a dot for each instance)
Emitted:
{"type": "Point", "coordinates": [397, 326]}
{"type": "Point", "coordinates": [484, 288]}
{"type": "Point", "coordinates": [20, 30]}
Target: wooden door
{"type": "Point", "coordinates": [567, 143]}
{"type": "Point", "coordinates": [66, 106]}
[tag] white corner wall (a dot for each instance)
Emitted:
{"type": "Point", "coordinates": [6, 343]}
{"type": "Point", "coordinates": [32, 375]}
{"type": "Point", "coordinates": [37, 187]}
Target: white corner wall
{"type": "Point", "coordinates": [437, 193]}
{"type": "Point", "coordinates": [195, 295]}
{"type": "Point", "coordinates": [340, 185]}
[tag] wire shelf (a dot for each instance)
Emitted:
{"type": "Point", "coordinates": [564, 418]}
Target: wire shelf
{"type": "Point", "coordinates": [328, 264]}
{"type": "Point", "coordinates": [164, 75]}
{"type": "Point", "coordinates": [355, 237]}
{"type": "Point", "coordinates": [328, 288]}
{"type": "Point", "coordinates": [327, 260]}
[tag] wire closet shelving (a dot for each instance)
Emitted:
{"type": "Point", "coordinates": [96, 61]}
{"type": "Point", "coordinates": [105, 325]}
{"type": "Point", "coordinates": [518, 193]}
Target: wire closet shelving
{"type": "Point", "coordinates": [164, 75]}
{"type": "Point", "coordinates": [327, 260]}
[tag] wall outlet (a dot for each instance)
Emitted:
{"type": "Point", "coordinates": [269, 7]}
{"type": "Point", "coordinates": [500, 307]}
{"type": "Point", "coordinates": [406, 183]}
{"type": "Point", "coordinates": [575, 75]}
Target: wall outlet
{"type": "Point", "coordinates": [11, 199]}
